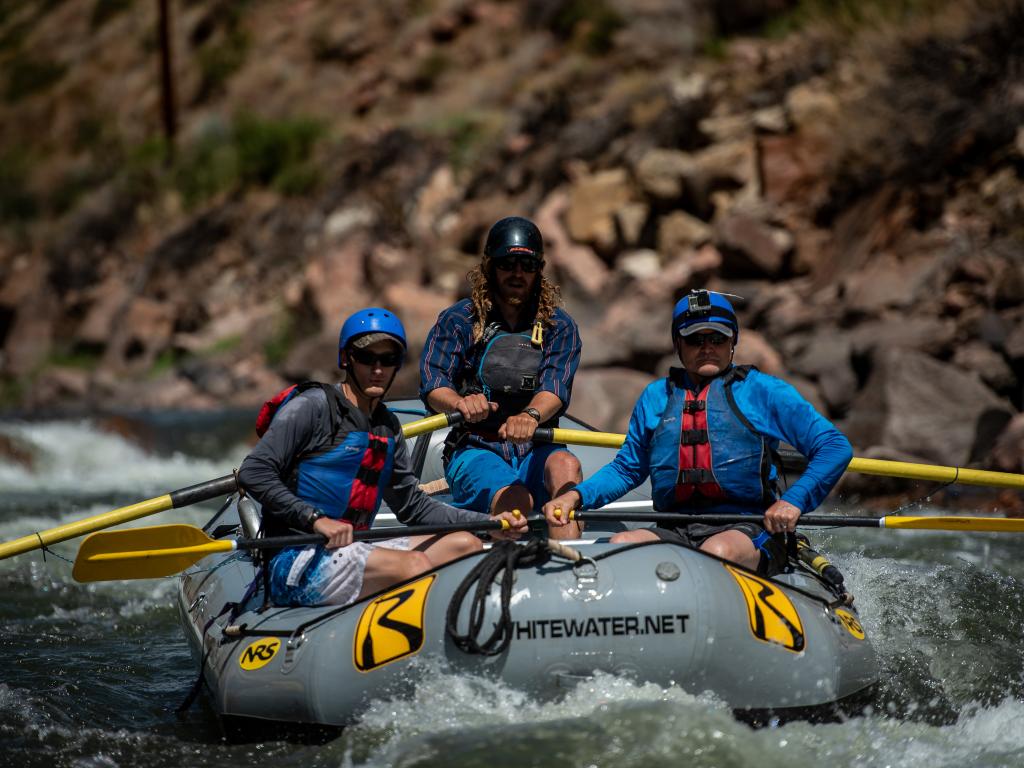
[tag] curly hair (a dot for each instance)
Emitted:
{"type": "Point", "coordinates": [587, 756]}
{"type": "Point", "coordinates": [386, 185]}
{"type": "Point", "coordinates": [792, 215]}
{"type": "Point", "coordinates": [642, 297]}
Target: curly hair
{"type": "Point", "coordinates": [547, 298]}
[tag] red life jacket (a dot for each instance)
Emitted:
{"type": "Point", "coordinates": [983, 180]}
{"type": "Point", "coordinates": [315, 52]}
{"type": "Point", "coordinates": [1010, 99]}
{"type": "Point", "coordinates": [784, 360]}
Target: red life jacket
{"type": "Point", "coordinates": [695, 479]}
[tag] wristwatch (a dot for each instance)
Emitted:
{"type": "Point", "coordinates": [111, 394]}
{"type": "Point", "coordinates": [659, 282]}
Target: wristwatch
{"type": "Point", "coordinates": [533, 413]}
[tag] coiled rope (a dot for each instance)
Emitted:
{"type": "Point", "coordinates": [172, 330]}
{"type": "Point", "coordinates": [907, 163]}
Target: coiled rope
{"type": "Point", "coordinates": [503, 559]}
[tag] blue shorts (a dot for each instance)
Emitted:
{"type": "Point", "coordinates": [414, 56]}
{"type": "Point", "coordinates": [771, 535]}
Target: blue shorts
{"type": "Point", "coordinates": [476, 474]}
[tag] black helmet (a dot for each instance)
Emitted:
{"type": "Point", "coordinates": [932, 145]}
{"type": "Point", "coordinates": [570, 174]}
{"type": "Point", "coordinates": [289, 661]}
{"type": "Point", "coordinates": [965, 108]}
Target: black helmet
{"type": "Point", "coordinates": [514, 235]}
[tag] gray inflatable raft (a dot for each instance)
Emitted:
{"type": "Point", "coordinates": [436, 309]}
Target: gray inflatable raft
{"type": "Point", "coordinates": [658, 612]}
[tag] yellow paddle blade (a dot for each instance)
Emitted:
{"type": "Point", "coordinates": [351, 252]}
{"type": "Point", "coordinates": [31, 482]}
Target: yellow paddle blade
{"type": "Point", "coordinates": [975, 524]}
{"type": "Point", "coordinates": [143, 553]}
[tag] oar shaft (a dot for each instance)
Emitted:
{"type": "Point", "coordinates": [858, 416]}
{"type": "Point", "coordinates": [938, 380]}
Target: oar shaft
{"type": "Point", "coordinates": [671, 519]}
{"type": "Point", "coordinates": [183, 497]}
{"type": "Point", "coordinates": [794, 461]}
{"type": "Point", "coordinates": [180, 498]}
{"type": "Point", "coordinates": [907, 522]}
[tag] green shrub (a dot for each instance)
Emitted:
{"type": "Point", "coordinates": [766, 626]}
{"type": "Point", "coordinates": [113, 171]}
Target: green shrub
{"type": "Point", "coordinates": [27, 76]}
{"type": "Point", "coordinates": [271, 152]}
{"type": "Point", "coordinates": [104, 10]}
{"type": "Point", "coordinates": [591, 23]}
{"type": "Point", "coordinates": [220, 59]}
{"type": "Point", "coordinates": [17, 203]}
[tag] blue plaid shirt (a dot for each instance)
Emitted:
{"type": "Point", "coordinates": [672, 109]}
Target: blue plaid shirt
{"type": "Point", "coordinates": [450, 360]}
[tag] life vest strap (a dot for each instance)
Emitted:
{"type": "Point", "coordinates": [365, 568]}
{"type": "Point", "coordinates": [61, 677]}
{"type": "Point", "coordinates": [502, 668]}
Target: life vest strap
{"type": "Point", "coordinates": [691, 476]}
{"type": "Point", "coordinates": [694, 406]}
{"type": "Point", "coordinates": [693, 436]}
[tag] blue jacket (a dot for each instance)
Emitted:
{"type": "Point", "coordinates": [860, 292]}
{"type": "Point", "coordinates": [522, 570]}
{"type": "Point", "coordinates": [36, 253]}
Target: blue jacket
{"type": "Point", "coordinates": [774, 408]}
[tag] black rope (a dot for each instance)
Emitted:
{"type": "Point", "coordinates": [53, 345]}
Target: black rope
{"type": "Point", "coordinates": [503, 559]}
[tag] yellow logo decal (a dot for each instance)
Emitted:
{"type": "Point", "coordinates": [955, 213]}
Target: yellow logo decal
{"type": "Point", "coordinates": [773, 617]}
{"type": "Point", "coordinates": [391, 627]}
{"type": "Point", "coordinates": [259, 653]}
{"type": "Point", "coordinates": [851, 622]}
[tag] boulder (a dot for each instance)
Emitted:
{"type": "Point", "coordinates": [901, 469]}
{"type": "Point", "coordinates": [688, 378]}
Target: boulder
{"type": "Point", "coordinates": [931, 335]}
{"type": "Point", "coordinates": [576, 263]}
{"type": "Point", "coordinates": [680, 231]}
{"type": "Point", "coordinates": [604, 397]}
{"type": "Point", "coordinates": [660, 172]}
{"type": "Point", "coordinates": [828, 360]}
{"type": "Point", "coordinates": [746, 232]}
{"type": "Point", "coordinates": [754, 349]}
{"type": "Point", "coordinates": [593, 202]}
{"type": "Point", "coordinates": [986, 363]}
{"type": "Point", "coordinates": [417, 307]}
{"type": "Point", "coordinates": [27, 297]}
{"type": "Point", "coordinates": [1008, 453]}
{"type": "Point", "coordinates": [922, 407]}
{"type": "Point", "coordinates": [336, 278]}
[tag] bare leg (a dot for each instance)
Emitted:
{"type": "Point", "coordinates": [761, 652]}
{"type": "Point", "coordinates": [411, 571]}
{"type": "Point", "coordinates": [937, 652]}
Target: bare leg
{"type": "Point", "coordinates": [444, 549]}
{"type": "Point", "coordinates": [510, 498]}
{"type": "Point", "coordinates": [733, 546]}
{"type": "Point", "coordinates": [634, 537]}
{"type": "Point", "coordinates": [385, 567]}
{"type": "Point", "coordinates": [562, 472]}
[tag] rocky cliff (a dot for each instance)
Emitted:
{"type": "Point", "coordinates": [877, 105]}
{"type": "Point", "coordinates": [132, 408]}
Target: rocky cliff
{"type": "Point", "coordinates": [852, 170]}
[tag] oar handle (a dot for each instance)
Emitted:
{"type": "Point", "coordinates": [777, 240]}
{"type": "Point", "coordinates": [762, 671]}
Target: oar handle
{"type": "Point", "coordinates": [431, 423]}
{"type": "Point", "coordinates": [373, 534]}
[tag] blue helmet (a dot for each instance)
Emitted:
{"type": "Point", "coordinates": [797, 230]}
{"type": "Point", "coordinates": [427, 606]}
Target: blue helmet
{"type": "Point", "coordinates": [368, 326]}
{"type": "Point", "coordinates": [700, 310]}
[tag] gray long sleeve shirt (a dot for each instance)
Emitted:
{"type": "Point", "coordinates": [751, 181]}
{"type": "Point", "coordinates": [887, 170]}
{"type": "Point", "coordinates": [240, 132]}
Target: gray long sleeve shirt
{"type": "Point", "coordinates": [304, 426]}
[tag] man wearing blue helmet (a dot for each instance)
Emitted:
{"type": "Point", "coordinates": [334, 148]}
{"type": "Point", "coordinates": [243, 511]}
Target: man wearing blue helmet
{"type": "Point", "coordinates": [505, 358]}
{"type": "Point", "coordinates": [328, 457]}
{"type": "Point", "coordinates": [706, 435]}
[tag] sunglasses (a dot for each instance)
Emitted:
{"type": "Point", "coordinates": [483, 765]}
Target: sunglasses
{"type": "Point", "coordinates": [699, 339]}
{"type": "Point", "coordinates": [386, 359]}
{"type": "Point", "coordinates": [529, 264]}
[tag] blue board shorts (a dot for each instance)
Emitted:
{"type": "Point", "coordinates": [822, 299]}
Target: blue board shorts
{"type": "Point", "coordinates": [474, 475]}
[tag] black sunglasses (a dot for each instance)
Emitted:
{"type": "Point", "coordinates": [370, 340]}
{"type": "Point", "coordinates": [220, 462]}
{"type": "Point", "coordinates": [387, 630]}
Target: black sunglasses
{"type": "Point", "coordinates": [529, 264]}
{"type": "Point", "coordinates": [699, 339]}
{"type": "Point", "coordinates": [366, 357]}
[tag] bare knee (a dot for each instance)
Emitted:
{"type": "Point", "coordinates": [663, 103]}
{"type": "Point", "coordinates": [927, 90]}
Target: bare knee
{"type": "Point", "coordinates": [512, 497]}
{"type": "Point", "coordinates": [462, 543]}
{"type": "Point", "coordinates": [413, 564]}
{"type": "Point", "coordinates": [633, 537]}
{"type": "Point", "coordinates": [561, 468]}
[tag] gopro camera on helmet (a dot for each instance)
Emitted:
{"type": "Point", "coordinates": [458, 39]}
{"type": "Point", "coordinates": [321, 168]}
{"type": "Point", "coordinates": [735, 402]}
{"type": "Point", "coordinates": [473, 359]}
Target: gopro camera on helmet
{"type": "Point", "coordinates": [698, 302]}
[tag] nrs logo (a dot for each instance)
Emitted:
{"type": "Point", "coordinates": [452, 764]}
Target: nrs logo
{"type": "Point", "coordinates": [259, 653]}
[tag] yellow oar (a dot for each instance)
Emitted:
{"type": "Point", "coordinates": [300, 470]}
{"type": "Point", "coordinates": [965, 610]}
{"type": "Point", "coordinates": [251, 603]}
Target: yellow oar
{"type": "Point", "coordinates": [164, 550]}
{"type": "Point", "coordinates": [972, 524]}
{"type": "Point", "coordinates": [864, 466]}
{"type": "Point", "coordinates": [183, 497]}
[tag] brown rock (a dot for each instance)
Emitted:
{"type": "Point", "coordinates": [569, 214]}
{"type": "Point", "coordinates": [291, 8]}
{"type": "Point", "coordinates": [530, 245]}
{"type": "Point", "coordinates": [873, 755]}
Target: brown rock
{"type": "Point", "coordinates": [679, 232]}
{"type": "Point", "coordinates": [417, 308]}
{"type": "Point", "coordinates": [754, 349]}
{"type": "Point", "coordinates": [27, 296]}
{"type": "Point", "coordinates": [930, 335]}
{"type": "Point", "coordinates": [604, 397]}
{"type": "Point", "coordinates": [108, 300]}
{"type": "Point", "coordinates": [660, 172]}
{"type": "Point", "coordinates": [576, 264]}
{"type": "Point", "coordinates": [987, 363]}
{"type": "Point", "coordinates": [827, 360]}
{"type": "Point", "coordinates": [593, 203]}
{"type": "Point", "coordinates": [1008, 453]}
{"type": "Point", "coordinates": [335, 278]}
{"type": "Point", "coordinates": [745, 231]}
{"type": "Point", "coordinates": [920, 406]}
